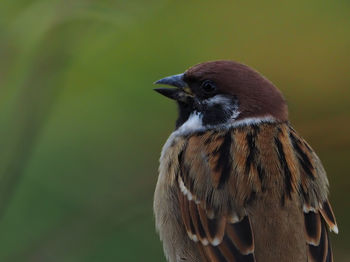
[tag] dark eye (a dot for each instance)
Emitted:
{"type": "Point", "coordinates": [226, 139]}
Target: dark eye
{"type": "Point", "coordinates": [208, 86]}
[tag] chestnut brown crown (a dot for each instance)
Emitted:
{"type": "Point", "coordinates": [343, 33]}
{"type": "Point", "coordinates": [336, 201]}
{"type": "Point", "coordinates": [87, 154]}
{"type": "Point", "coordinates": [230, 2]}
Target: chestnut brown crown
{"type": "Point", "coordinates": [257, 96]}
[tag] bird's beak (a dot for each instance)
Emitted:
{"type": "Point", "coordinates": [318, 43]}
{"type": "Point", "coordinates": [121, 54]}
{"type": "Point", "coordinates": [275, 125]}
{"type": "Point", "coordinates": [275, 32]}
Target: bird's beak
{"type": "Point", "coordinates": [181, 91]}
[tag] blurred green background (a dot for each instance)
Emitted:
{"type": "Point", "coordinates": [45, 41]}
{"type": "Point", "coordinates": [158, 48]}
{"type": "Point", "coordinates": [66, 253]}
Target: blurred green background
{"type": "Point", "coordinates": [81, 129]}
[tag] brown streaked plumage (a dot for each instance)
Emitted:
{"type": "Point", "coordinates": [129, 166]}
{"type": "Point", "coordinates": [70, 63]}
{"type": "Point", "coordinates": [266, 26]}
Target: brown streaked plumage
{"type": "Point", "coordinates": [245, 188]}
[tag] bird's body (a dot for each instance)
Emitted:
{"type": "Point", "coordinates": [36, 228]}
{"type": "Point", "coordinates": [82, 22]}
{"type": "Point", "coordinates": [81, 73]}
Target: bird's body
{"type": "Point", "coordinates": [238, 184]}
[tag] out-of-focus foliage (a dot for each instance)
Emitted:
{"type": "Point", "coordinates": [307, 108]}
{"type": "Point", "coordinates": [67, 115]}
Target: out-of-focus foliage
{"type": "Point", "coordinates": [81, 129]}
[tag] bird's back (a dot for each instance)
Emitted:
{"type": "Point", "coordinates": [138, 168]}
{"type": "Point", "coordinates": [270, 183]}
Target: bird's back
{"type": "Point", "coordinates": [250, 193]}
{"type": "Point", "coordinates": [279, 233]}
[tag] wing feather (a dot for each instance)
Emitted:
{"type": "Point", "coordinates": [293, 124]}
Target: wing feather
{"type": "Point", "coordinates": [313, 227]}
{"type": "Point", "coordinates": [328, 215]}
{"type": "Point", "coordinates": [221, 234]}
{"type": "Point", "coordinates": [241, 235]}
{"type": "Point", "coordinates": [316, 222]}
{"type": "Point", "coordinates": [318, 213]}
{"type": "Point", "coordinates": [320, 252]}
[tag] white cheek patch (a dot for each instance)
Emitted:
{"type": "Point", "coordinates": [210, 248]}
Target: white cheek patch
{"type": "Point", "coordinates": [218, 99]}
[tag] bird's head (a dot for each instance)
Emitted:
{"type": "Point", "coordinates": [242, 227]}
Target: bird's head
{"type": "Point", "coordinates": [223, 93]}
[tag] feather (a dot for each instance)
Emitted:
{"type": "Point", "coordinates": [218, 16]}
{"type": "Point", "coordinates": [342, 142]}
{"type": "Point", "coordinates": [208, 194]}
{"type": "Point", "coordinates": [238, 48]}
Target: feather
{"type": "Point", "coordinates": [241, 235]}
{"type": "Point", "coordinates": [319, 253]}
{"type": "Point", "coordinates": [328, 215]}
{"type": "Point", "coordinates": [313, 228]}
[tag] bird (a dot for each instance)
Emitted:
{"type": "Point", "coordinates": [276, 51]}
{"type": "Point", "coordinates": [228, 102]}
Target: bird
{"type": "Point", "coordinates": [236, 181]}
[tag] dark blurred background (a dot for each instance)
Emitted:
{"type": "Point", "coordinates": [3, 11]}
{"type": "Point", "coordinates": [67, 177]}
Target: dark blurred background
{"type": "Point", "coordinates": [81, 129]}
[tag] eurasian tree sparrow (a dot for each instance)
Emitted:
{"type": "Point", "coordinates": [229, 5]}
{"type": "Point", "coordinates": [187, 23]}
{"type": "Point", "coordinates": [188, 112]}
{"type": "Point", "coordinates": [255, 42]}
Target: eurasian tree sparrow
{"type": "Point", "coordinates": [236, 182]}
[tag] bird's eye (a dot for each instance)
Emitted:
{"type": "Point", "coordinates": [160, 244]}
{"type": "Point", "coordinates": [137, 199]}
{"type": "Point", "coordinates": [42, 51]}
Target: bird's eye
{"type": "Point", "coordinates": [208, 86]}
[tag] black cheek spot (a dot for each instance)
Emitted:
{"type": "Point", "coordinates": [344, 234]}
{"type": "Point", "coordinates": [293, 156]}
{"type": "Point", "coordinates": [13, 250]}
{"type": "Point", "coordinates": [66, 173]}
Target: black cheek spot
{"type": "Point", "coordinates": [215, 115]}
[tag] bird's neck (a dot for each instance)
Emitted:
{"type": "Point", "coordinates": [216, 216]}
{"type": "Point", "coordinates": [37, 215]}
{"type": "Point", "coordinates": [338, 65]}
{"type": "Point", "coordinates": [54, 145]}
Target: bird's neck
{"type": "Point", "coordinates": [196, 123]}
